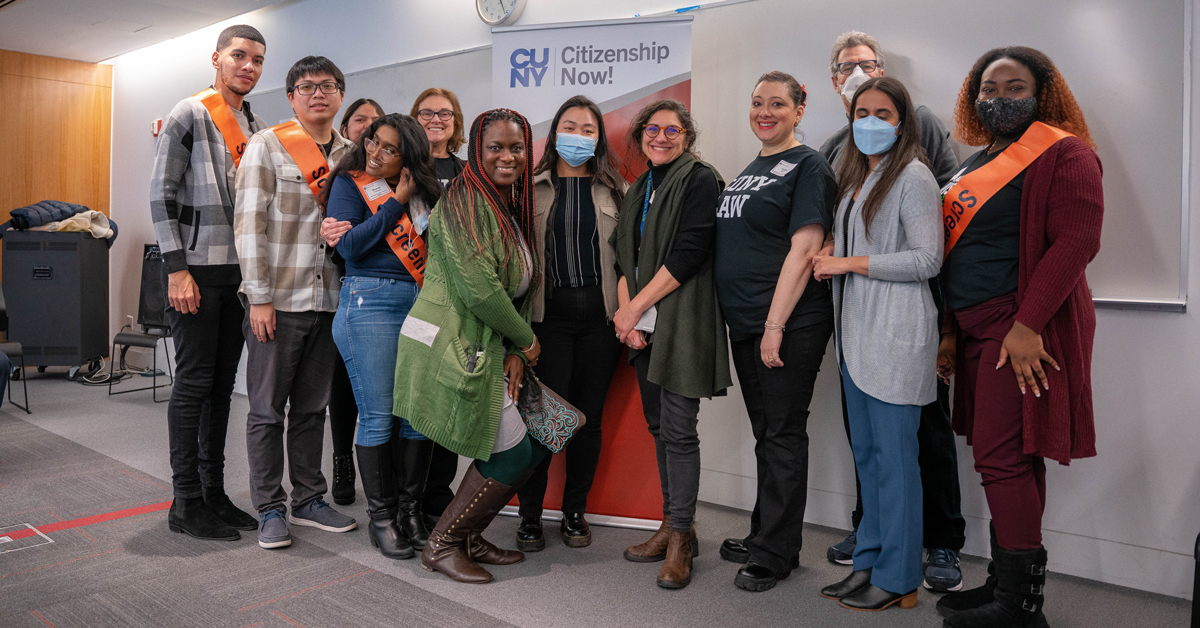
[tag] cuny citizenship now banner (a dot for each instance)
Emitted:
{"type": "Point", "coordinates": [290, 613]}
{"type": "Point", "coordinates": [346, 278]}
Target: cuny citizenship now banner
{"type": "Point", "coordinates": [622, 65]}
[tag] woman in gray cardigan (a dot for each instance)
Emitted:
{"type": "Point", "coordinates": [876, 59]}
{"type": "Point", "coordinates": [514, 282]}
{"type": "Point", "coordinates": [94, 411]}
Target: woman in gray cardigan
{"type": "Point", "coordinates": [886, 244]}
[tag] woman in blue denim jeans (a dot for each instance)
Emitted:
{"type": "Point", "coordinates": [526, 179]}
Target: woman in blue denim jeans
{"type": "Point", "coordinates": [379, 205]}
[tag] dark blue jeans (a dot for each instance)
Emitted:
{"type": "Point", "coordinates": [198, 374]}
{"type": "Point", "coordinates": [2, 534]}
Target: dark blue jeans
{"type": "Point", "coordinates": [366, 329]}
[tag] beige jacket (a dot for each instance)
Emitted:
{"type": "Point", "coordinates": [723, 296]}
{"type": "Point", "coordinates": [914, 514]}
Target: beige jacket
{"type": "Point", "coordinates": [606, 221]}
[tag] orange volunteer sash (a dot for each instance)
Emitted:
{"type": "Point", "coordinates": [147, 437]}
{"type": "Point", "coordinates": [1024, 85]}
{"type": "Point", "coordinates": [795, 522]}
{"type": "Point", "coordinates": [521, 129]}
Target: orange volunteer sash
{"type": "Point", "coordinates": [227, 124]}
{"type": "Point", "coordinates": [968, 193]}
{"type": "Point", "coordinates": [305, 153]}
{"type": "Point", "coordinates": [403, 238]}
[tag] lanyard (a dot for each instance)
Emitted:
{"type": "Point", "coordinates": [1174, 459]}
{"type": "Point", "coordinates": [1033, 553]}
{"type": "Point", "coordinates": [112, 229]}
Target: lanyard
{"type": "Point", "coordinates": [646, 203]}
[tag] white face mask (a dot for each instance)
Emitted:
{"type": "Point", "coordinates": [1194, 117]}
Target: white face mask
{"type": "Point", "coordinates": [853, 82]}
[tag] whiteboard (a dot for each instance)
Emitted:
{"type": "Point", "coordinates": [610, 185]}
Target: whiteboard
{"type": "Point", "coordinates": [1123, 59]}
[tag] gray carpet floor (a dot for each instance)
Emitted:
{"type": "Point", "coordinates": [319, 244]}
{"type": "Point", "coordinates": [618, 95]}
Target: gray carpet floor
{"type": "Point", "coordinates": [83, 453]}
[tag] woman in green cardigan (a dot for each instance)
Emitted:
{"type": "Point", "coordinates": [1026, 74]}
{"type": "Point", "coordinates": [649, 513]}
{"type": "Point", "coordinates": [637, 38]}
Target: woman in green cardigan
{"type": "Point", "coordinates": [669, 317]}
{"type": "Point", "coordinates": [465, 343]}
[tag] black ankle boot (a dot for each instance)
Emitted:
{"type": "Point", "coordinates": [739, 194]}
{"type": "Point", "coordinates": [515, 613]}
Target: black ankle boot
{"type": "Point", "coordinates": [575, 530]}
{"type": "Point", "coordinates": [343, 479]}
{"type": "Point", "coordinates": [960, 601]}
{"type": "Point", "coordinates": [236, 518]}
{"type": "Point", "coordinates": [412, 459]}
{"type": "Point", "coordinates": [379, 485]}
{"type": "Point", "coordinates": [1019, 595]}
{"type": "Point", "coordinates": [529, 535]}
{"type": "Point", "coordinates": [190, 516]}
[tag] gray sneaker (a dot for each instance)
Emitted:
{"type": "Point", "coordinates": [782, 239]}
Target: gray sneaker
{"type": "Point", "coordinates": [318, 514]}
{"type": "Point", "coordinates": [942, 571]}
{"type": "Point", "coordinates": [273, 530]}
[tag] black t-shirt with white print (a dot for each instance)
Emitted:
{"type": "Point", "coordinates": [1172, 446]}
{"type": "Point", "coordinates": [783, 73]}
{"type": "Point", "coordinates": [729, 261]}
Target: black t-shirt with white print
{"type": "Point", "coordinates": [757, 215]}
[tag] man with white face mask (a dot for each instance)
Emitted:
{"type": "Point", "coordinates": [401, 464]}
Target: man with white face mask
{"type": "Point", "coordinates": [855, 59]}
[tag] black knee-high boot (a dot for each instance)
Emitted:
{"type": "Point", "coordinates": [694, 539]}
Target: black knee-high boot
{"type": "Point", "coordinates": [379, 484]}
{"type": "Point", "coordinates": [412, 465]}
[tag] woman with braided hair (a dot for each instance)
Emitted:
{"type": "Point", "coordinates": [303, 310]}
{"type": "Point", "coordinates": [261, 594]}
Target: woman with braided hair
{"type": "Point", "coordinates": [464, 346]}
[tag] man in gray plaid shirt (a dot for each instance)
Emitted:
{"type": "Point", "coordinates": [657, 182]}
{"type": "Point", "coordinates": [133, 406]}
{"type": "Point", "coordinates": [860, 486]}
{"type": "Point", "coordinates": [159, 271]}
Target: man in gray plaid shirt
{"type": "Point", "coordinates": [290, 286]}
{"type": "Point", "coordinates": [191, 203]}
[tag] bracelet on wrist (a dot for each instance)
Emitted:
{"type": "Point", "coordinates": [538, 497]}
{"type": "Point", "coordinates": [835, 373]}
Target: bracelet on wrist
{"type": "Point", "coordinates": [530, 347]}
{"type": "Point", "coordinates": [772, 325]}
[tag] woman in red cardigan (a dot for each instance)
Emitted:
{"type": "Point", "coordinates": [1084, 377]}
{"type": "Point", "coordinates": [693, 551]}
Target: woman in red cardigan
{"type": "Point", "coordinates": [1022, 220]}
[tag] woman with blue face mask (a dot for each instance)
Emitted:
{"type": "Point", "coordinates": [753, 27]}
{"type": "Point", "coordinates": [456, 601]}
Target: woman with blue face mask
{"type": "Point", "coordinates": [886, 244]}
{"type": "Point", "coordinates": [577, 192]}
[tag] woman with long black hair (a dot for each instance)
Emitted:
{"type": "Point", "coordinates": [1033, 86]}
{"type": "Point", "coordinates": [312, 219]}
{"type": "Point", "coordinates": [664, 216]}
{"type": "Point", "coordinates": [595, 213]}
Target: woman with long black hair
{"type": "Point", "coordinates": [464, 346]}
{"type": "Point", "coordinates": [577, 195]}
{"type": "Point", "coordinates": [384, 189]}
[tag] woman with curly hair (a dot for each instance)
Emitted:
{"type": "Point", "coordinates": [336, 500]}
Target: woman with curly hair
{"type": "Point", "coordinates": [1022, 220]}
{"type": "Point", "coordinates": [465, 343]}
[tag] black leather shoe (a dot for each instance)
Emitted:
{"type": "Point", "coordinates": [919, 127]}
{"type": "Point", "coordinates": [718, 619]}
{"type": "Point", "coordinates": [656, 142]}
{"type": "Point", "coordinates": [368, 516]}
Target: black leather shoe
{"type": "Point", "coordinates": [755, 577]}
{"type": "Point", "coordinates": [529, 535]}
{"type": "Point", "coordinates": [575, 530]}
{"type": "Point", "coordinates": [872, 598]}
{"type": "Point", "coordinates": [236, 518]}
{"type": "Point", "coordinates": [189, 515]}
{"type": "Point", "coordinates": [851, 584]}
{"type": "Point", "coordinates": [734, 551]}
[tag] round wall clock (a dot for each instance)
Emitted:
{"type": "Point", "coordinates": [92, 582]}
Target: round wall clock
{"type": "Point", "coordinates": [499, 12]}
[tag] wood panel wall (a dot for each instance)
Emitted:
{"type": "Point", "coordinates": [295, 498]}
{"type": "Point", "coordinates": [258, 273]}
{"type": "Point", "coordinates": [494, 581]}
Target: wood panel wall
{"type": "Point", "coordinates": [56, 131]}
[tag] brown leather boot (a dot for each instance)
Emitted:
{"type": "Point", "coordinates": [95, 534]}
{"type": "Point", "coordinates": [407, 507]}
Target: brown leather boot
{"type": "Point", "coordinates": [482, 551]}
{"type": "Point", "coordinates": [446, 550]}
{"type": "Point", "coordinates": [676, 571]}
{"type": "Point", "coordinates": [655, 549]}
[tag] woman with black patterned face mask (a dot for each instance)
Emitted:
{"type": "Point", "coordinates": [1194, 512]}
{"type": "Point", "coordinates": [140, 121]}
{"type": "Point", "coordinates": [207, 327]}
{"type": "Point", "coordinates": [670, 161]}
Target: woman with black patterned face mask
{"type": "Point", "coordinates": [1022, 220]}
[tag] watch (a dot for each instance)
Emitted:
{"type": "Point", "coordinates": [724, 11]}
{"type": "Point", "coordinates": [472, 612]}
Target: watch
{"type": "Point", "coordinates": [499, 12]}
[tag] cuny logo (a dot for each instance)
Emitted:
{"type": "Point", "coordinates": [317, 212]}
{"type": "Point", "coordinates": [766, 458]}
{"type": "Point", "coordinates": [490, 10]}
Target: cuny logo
{"type": "Point", "coordinates": [525, 64]}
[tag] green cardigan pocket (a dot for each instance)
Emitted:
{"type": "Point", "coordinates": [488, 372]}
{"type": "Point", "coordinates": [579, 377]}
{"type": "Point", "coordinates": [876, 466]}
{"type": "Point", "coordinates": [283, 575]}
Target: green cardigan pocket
{"type": "Point", "coordinates": [463, 368]}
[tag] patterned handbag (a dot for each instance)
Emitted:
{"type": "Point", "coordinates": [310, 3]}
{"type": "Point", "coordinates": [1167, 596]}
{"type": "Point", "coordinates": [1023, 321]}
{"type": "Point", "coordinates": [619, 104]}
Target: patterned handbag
{"type": "Point", "coordinates": [548, 417]}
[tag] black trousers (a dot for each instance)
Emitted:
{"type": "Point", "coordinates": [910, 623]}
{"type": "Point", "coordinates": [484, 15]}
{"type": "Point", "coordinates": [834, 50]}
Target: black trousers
{"type": "Point", "coordinates": [579, 355]}
{"type": "Point", "coordinates": [777, 401]}
{"type": "Point", "coordinates": [944, 524]}
{"type": "Point", "coordinates": [343, 410]}
{"type": "Point", "coordinates": [208, 347]}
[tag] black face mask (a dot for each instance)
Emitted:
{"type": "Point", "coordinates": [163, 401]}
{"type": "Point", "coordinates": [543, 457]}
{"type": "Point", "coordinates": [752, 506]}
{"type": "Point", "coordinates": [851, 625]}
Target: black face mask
{"type": "Point", "coordinates": [1005, 117]}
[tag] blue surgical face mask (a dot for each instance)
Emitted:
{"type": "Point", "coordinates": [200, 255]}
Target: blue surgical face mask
{"type": "Point", "coordinates": [575, 149]}
{"type": "Point", "coordinates": [873, 136]}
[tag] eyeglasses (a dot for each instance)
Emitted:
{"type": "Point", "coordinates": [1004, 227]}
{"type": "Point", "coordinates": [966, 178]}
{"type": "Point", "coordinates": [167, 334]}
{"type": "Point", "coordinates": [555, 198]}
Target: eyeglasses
{"type": "Point", "coordinates": [386, 154]}
{"type": "Point", "coordinates": [308, 89]}
{"type": "Point", "coordinates": [868, 66]}
{"type": "Point", "coordinates": [427, 114]}
{"type": "Point", "coordinates": [671, 132]}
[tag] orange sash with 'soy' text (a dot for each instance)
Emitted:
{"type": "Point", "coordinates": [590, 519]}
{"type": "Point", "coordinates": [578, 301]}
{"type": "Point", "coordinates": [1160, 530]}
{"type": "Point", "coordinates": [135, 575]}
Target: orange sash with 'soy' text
{"type": "Point", "coordinates": [227, 124]}
{"type": "Point", "coordinates": [967, 194]}
{"type": "Point", "coordinates": [403, 238]}
{"type": "Point", "coordinates": [305, 153]}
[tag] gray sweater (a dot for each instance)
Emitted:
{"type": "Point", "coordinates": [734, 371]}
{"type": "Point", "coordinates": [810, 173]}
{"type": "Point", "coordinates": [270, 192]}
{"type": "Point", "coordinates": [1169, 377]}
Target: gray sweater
{"type": "Point", "coordinates": [886, 321]}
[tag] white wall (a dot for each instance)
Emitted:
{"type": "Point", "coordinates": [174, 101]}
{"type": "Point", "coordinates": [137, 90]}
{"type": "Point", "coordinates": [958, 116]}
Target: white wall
{"type": "Point", "coordinates": [1128, 517]}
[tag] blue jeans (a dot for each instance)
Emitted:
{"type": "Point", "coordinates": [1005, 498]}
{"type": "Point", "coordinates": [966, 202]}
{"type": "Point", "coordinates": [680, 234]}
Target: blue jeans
{"type": "Point", "coordinates": [366, 329]}
{"type": "Point", "coordinates": [890, 535]}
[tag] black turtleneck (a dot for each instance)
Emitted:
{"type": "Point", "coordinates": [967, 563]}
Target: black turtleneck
{"type": "Point", "coordinates": [697, 222]}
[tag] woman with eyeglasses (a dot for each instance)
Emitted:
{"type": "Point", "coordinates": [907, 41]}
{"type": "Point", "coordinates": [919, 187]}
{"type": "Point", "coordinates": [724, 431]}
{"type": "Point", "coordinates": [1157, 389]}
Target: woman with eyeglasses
{"type": "Point", "coordinates": [886, 245]}
{"type": "Point", "coordinates": [771, 220]}
{"type": "Point", "coordinates": [577, 192]}
{"type": "Point", "coordinates": [669, 317]}
{"type": "Point", "coordinates": [384, 189]}
{"type": "Point", "coordinates": [343, 410]}
{"type": "Point", "coordinates": [439, 113]}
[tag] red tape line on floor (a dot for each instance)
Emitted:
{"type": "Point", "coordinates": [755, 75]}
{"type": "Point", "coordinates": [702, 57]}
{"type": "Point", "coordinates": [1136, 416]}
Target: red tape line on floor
{"type": "Point", "coordinates": [87, 521]}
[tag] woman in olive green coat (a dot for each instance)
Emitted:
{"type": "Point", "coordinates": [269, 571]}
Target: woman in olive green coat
{"type": "Point", "coordinates": [464, 346]}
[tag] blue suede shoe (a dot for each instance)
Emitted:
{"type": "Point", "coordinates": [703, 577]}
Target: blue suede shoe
{"type": "Point", "coordinates": [843, 552]}
{"type": "Point", "coordinates": [272, 530]}
{"type": "Point", "coordinates": [942, 571]}
{"type": "Point", "coordinates": [318, 514]}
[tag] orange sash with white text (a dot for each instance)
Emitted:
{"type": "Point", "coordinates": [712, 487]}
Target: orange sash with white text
{"type": "Point", "coordinates": [305, 153]}
{"type": "Point", "coordinates": [227, 124]}
{"type": "Point", "coordinates": [967, 194]}
{"type": "Point", "coordinates": [406, 243]}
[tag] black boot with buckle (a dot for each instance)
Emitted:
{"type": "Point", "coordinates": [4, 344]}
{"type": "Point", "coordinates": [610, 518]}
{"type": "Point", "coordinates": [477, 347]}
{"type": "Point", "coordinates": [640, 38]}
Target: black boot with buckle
{"type": "Point", "coordinates": [1019, 595]}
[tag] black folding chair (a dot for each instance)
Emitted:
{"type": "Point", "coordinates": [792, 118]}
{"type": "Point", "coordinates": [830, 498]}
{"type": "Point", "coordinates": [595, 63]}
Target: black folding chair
{"type": "Point", "coordinates": [13, 350]}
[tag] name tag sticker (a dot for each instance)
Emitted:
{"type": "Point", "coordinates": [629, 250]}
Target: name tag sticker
{"type": "Point", "coordinates": [782, 168]}
{"type": "Point", "coordinates": [419, 330]}
{"type": "Point", "coordinates": [377, 188]}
